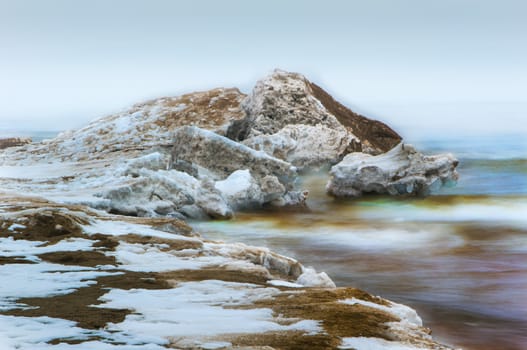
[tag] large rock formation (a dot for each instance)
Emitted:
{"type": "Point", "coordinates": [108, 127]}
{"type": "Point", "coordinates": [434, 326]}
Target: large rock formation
{"type": "Point", "coordinates": [401, 171]}
{"type": "Point", "coordinates": [208, 154]}
{"type": "Point", "coordinates": [295, 120]}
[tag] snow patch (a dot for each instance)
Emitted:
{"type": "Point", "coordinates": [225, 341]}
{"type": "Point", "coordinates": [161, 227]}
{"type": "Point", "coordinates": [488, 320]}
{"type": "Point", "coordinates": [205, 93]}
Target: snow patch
{"type": "Point", "coordinates": [28, 249]}
{"type": "Point", "coordinates": [280, 283]}
{"type": "Point", "coordinates": [43, 280]}
{"type": "Point", "coordinates": [194, 309]}
{"type": "Point", "coordinates": [404, 313]}
{"type": "Point", "coordinates": [15, 227]}
{"type": "Point", "coordinates": [364, 343]}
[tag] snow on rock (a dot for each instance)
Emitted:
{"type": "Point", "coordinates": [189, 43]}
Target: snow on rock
{"type": "Point", "coordinates": [197, 310]}
{"type": "Point", "coordinates": [403, 312]}
{"type": "Point", "coordinates": [293, 119]}
{"type": "Point", "coordinates": [365, 343]}
{"type": "Point", "coordinates": [241, 190]}
{"type": "Point", "coordinates": [145, 192]}
{"type": "Point", "coordinates": [285, 120]}
{"type": "Point", "coordinates": [310, 278]}
{"type": "Point", "coordinates": [401, 171]}
{"type": "Point", "coordinates": [42, 280]}
{"type": "Point", "coordinates": [168, 157]}
{"type": "Point", "coordinates": [304, 146]}
{"type": "Point", "coordinates": [218, 158]}
{"type": "Point", "coordinates": [152, 161]}
{"type": "Point", "coordinates": [222, 156]}
{"type": "Point", "coordinates": [284, 98]}
{"type": "Point", "coordinates": [145, 125]}
{"type": "Point", "coordinates": [280, 283]}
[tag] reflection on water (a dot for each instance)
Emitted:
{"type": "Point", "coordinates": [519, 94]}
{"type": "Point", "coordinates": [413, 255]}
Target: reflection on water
{"type": "Point", "coordinates": [460, 260]}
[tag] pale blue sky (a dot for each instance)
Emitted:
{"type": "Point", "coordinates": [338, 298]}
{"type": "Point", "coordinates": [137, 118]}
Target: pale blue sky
{"type": "Point", "coordinates": [418, 65]}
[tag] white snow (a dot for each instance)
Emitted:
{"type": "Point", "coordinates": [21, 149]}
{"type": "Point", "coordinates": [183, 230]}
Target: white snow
{"type": "Point", "coordinates": [28, 249]}
{"type": "Point", "coordinates": [119, 228]}
{"type": "Point", "coordinates": [403, 312]}
{"type": "Point", "coordinates": [43, 280]}
{"type": "Point", "coordinates": [195, 309]}
{"type": "Point", "coordinates": [280, 283]}
{"type": "Point", "coordinates": [39, 171]}
{"type": "Point", "coordinates": [364, 343]}
{"type": "Point", "coordinates": [150, 258]}
{"type": "Point", "coordinates": [238, 181]}
{"type": "Point", "coordinates": [33, 333]}
{"type": "Point", "coordinates": [15, 227]}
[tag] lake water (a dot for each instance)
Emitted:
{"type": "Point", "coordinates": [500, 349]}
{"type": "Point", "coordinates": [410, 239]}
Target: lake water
{"type": "Point", "coordinates": [458, 257]}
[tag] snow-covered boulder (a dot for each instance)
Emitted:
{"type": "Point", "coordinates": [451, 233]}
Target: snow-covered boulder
{"type": "Point", "coordinates": [305, 146]}
{"type": "Point", "coordinates": [241, 190]}
{"type": "Point", "coordinates": [401, 171]}
{"type": "Point", "coordinates": [311, 278]}
{"type": "Point", "coordinates": [148, 125]}
{"type": "Point", "coordinates": [284, 98]}
{"type": "Point", "coordinates": [146, 189]}
{"type": "Point", "coordinates": [222, 156]}
{"type": "Point", "coordinates": [263, 178]}
{"type": "Point", "coordinates": [293, 119]}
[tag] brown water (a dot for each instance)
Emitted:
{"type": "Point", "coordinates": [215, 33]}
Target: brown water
{"type": "Point", "coordinates": [460, 260]}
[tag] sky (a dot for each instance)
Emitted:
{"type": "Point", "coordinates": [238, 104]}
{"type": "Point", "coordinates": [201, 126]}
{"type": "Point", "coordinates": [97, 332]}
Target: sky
{"type": "Point", "coordinates": [421, 66]}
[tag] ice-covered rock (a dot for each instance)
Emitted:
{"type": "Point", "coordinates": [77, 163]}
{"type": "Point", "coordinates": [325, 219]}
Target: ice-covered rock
{"type": "Point", "coordinates": [164, 192]}
{"type": "Point", "coordinates": [144, 126]}
{"type": "Point", "coordinates": [311, 278]}
{"type": "Point", "coordinates": [152, 161]}
{"type": "Point", "coordinates": [222, 156]}
{"type": "Point", "coordinates": [401, 171]}
{"type": "Point", "coordinates": [266, 179]}
{"type": "Point", "coordinates": [293, 119]}
{"type": "Point", "coordinates": [305, 146]}
{"type": "Point", "coordinates": [241, 190]}
{"type": "Point", "coordinates": [280, 99]}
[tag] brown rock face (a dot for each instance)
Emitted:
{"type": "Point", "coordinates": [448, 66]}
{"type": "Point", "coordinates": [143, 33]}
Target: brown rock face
{"type": "Point", "coordinates": [372, 133]}
{"type": "Point", "coordinates": [14, 142]}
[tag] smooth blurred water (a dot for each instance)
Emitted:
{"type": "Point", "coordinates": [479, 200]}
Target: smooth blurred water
{"type": "Point", "coordinates": [459, 257]}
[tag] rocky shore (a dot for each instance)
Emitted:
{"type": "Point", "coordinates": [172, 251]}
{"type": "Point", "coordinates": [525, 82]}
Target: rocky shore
{"type": "Point", "coordinates": [107, 216]}
{"type": "Point", "coordinates": [14, 142]}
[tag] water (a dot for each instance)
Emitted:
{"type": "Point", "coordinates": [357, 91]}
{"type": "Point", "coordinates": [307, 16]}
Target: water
{"type": "Point", "coordinates": [459, 258]}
